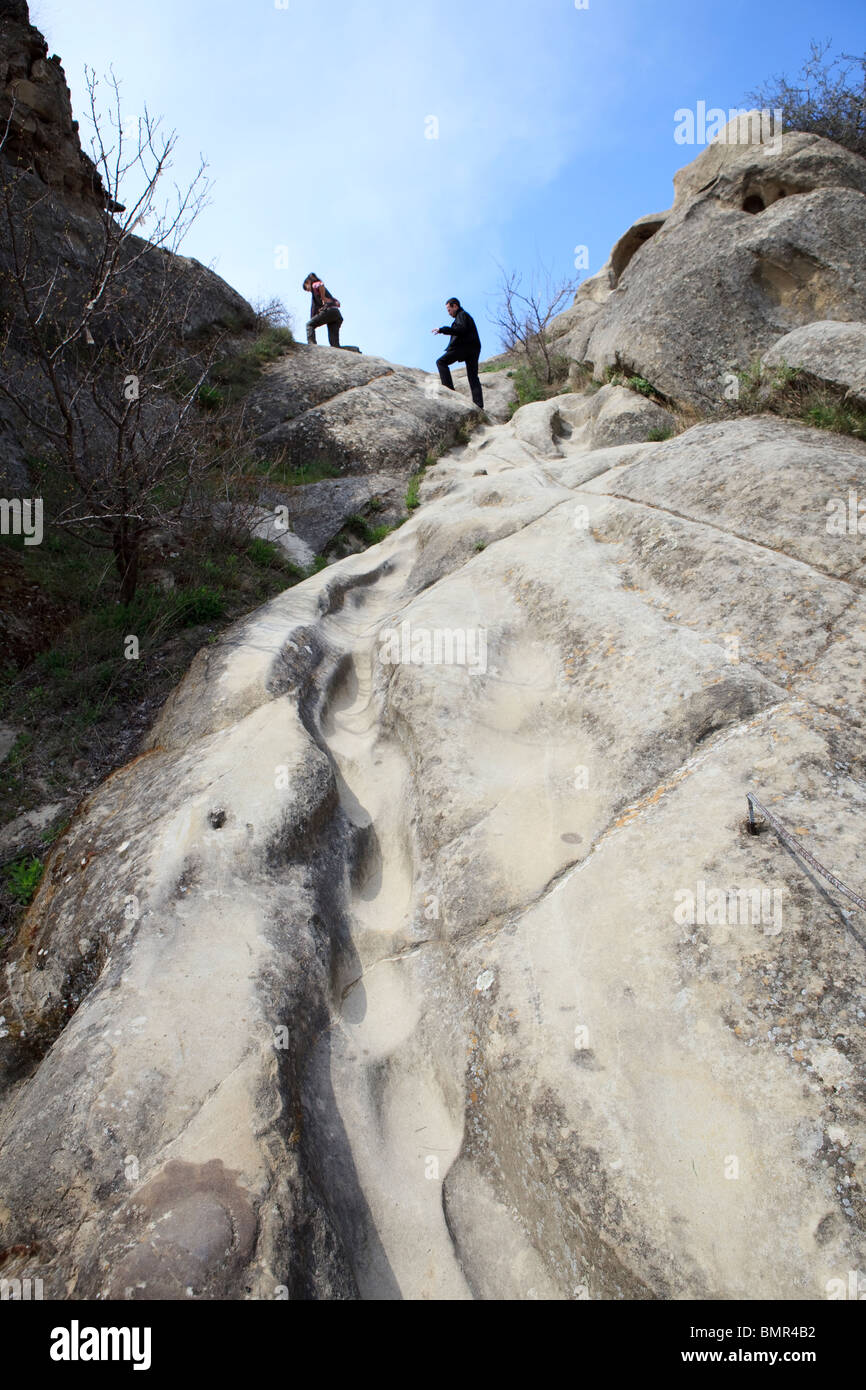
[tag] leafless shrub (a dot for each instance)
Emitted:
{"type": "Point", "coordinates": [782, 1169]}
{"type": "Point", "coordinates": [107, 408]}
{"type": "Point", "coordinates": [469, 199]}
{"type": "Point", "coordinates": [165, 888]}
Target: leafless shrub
{"type": "Point", "coordinates": [826, 97]}
{"type": "Point", "coordinates": [91, 356]}
{"type": "Point", "coordinates": [522, 315]}
{"type": "Point", "coordinates": [272, 313]}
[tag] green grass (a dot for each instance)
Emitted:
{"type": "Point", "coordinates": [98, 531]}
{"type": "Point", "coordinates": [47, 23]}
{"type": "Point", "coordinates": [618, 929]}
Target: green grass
{"type": "Point", "coordinates": [789, 391]}
{"type": "Point", "coordinates": [53, 832]}
{"type": "Point", "coordinates": [202, 604]}
{"type": "Point", "coordinates": [210, 397]}
{"type": "Point", "coordinates": [841, 419]}
{"type": "Point", "coordinates": [413, 500]}
{"type": "Point", "coordinates": [22, 879]}
{"type": "Point", "coordinates": [73, 701]}
{"type": "Point", "coordinates": [641, 385]}
{"type": "Point", "coordinates": [656, 435]}
{"type": "Point", "coordinates": [530, 382]}
{"type": "Point", "coordinates": [287, 475]}
{"type": "Point", "coordinates": [358, 526]}
{"type": "Point", "coordinates": [528, 385]}
{"type": "Point", "coordinates": [464, 431]}
{"type": "Point", "coordinates": [615, 376]}
{"type": "Point", "coordinates": [237, 374]}
{"type": "Point", "coordinates": [758, 385]}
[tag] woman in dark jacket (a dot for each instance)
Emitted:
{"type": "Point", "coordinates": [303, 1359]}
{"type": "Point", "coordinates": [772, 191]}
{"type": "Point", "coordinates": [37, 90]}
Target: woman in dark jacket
{"type": "Point", "coordinates": [324, 311]}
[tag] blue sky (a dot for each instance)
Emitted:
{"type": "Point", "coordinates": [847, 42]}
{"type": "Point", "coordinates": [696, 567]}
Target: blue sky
{"type": "Point", "coordinates": [555, 130]}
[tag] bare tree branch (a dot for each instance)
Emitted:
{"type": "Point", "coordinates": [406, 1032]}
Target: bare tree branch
{"type": "Point", "coordinates": [122, 429]}
{"type": "Point", "coordinates": [522, 314]}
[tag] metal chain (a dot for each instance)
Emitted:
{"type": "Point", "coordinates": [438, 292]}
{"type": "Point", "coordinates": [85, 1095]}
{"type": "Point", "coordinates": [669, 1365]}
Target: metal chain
{"type": "Point", "coordinates": [784, 835]}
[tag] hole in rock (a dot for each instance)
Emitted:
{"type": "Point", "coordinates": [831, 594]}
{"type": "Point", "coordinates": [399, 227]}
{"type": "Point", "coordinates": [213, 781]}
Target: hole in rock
{"type": "Point", "coordinates": [758, 828]}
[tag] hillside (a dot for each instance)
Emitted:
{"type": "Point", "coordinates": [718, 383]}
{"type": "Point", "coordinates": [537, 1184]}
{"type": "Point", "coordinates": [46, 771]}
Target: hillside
{"type": "Point", "coordinates": [423, 949]}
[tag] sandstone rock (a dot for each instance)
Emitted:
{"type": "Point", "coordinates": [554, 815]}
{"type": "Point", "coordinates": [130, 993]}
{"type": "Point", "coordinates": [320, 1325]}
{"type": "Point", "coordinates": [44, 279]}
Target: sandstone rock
{"type": "Point", "coordinates": [613, 415]}
{"type": "Point", "coordinates": [539, 424]}
{"type": "Point", "coordinates": [318, 511]}
{"type": "Point", "coordinates": [23, 835]}
{"type": "Point", "coordinates": [361, 413]}
{"type": "Point", "coordinates": [631, 241]}
{"type": "Point", "coordinates": [451, 1023]}
{"type": "Point", "coordinates": [828, 351]}
{"type": "Point", "coordinates": [713, 285]}
{"type": "Point", "coordinates": [569, 332]}
{"type": "Point", "coordinates": [610, 416]}
{"type": "Point", "coordinates": [751, 162]}
{"type": "Point", "coordinates": [498, 390]}
{"type": "Point", "coordinates": [268, 527]}
{"type": "Point", "coordinates": [423, 951]}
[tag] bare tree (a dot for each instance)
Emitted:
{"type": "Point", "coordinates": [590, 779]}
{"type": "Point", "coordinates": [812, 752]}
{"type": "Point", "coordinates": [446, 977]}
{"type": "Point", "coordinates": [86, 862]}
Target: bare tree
{"type": "Point", "coordinates": [96, 369]}
{"type": "Point", "coordinates": [826, 97]}
{"type": "Point", "coordinates": [523, 314]}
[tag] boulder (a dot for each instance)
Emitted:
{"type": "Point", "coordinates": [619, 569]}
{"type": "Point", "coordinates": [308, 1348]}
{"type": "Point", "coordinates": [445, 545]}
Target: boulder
{"type": "Point", "coordinates": [750, 162]}
{"type": "Point", "coordinates": [318, 511]}
{"type": "Point", "coordinates": [540, 425]}
{"type": "Point", "coordinates": [497, 388]}
{"type": "Point", "coordinates": [756, 245]}
{"type": "Point", "coordinates": [614, 415]}
{"type": "Point", "coordinates": [569, 331]}
{"type": "Point", "coordinates": [267, 526]}
{"type": "Point", "coordinates": [631, 241]}
{"type": "Point", "coordinates": [360, 413]}
{"type": "Point", "coordinates": [828, 351]}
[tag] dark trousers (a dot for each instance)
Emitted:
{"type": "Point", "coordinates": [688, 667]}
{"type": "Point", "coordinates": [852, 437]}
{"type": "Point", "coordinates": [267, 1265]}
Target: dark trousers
{"type": "Point", "coordinates": [444, 364]}
{"type": "Point", "coordinates": [333, 318]}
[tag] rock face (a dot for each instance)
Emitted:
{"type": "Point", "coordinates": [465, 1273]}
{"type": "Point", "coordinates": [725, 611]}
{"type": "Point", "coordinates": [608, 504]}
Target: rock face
{"type": "Point", "coordinates": [424, 953]}
{"type": "Point", "coordinates": [362, 414]}
{"type": "Point", "coordinates": [424, 950]}
{"type": "Point", "coordinates": [34, 101]}
{"type": "Point", "coordinates": [613, 415]}
{"type": "Point", "coordinates": [828, 352]}
{"type": "Point", "coordinates": [318, 511]}
{"type": "Point", "coordinates": [758, 243]}
{"type": "Point", "coordinates": [497, 388]}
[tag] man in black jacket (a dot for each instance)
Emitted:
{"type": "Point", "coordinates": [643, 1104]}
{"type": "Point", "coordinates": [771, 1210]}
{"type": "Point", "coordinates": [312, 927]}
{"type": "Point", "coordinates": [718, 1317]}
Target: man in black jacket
{"type": "Point", "coordinates": [465, 346]}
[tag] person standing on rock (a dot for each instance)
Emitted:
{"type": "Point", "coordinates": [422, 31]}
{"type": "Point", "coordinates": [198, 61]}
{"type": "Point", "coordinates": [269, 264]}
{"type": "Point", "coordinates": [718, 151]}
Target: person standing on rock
{"type": "Point", "coordinates": [465, 346]}
{"type": "Point", "coordinates": [324, 311]}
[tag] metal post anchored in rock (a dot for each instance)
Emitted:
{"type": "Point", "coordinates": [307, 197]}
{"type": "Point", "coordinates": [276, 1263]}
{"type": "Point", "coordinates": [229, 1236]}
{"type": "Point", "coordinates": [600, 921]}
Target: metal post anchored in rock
{"type": "Point", "coordinates": [753, 803]}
